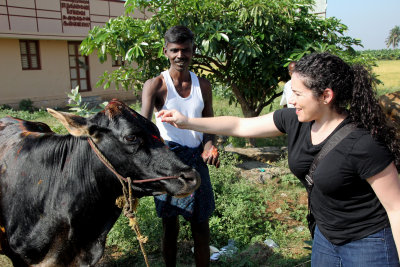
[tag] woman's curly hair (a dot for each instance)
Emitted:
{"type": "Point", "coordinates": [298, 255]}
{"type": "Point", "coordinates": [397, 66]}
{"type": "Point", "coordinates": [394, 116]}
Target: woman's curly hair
{"type": "Point", "coordinates": [353, 93]}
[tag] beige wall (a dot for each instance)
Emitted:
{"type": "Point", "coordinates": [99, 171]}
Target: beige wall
{"type": "Point", "coordinates": [49, 86]}
{"type": "Point", "coordinates": [43, 20]}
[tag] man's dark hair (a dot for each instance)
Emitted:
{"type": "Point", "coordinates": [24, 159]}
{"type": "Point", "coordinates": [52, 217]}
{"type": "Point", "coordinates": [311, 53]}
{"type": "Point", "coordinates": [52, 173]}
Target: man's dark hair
{"type": "Point", "coordinates": [178, 35]}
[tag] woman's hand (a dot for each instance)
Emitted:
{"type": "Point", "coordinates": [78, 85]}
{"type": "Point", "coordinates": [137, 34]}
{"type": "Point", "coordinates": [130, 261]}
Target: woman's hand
{"type": "Point", "coordinates": [173, 117]}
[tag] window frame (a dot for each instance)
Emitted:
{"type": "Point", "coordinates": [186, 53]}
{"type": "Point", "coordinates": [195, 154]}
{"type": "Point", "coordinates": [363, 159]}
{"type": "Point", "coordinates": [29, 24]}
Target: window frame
{"type": "Point", "coordinates": [29, 55]}
{"type": "Point", "coordinates": [76, 67]}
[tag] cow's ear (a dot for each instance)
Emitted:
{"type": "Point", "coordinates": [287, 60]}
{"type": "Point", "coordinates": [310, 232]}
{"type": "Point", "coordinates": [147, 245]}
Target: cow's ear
{"type": "Point", "coordinates": [76, 125]}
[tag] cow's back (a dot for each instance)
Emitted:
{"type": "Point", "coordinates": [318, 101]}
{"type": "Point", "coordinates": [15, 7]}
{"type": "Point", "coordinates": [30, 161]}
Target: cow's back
{"type": "Point", "coordinates": [13, 131]}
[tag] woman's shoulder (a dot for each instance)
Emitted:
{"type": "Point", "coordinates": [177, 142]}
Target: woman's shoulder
{"type": "Point", "coordinates": [363, 139]}
{"type": "Point", "coordinates": [366, 152]}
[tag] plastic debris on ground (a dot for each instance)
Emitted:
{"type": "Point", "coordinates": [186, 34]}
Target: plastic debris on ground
{"type": "Point", "coordinates": [212, 250]}
{"type": "Point", "coordinates": [270, 243]}
{"type": "Point", "coordinates": [227, 250]}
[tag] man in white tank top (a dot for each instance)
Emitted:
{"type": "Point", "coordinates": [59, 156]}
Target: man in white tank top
{"type": "Point", "coordinates": [287, 88]}
{"type": "Point", "coordinates": [178, 88]}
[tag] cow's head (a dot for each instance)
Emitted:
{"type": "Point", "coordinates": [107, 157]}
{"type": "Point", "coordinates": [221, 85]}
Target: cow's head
{"type": "Point", "coordinates": [132, 144]}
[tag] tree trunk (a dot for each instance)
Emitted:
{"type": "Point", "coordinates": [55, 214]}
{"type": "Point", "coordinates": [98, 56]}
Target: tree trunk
{"type": "Point", "coordinates": [246, 110]}
{"type": "Point", "coordinates": [250, 142]}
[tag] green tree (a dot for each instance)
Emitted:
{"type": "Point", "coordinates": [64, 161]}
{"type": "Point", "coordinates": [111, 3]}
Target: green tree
{"type": "Point", "coordinates": [243, 45]}
{"type": "Point", "coordinates": [393, 38]}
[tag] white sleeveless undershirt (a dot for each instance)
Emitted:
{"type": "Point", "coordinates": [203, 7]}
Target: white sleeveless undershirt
{"type": "Point", "coordinates": [191, 106]}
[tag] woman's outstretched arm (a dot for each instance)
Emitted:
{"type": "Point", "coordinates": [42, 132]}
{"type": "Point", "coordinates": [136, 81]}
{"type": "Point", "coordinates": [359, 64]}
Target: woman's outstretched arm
{"type": "Point", "coordinates": [262, 126]}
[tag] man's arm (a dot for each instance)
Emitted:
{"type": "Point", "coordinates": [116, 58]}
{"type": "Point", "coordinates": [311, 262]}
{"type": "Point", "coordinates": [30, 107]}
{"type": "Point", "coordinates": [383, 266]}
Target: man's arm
{"type": "Point", "coordinates": [149, 96]}
{"type": "Point", "coordinates": [210, 153]}
{"type": "Point", "coordinates": [208, 108]}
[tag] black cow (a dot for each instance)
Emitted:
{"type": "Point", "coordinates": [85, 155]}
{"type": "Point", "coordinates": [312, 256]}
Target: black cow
{"type": "Point", "coordinates": [57, 198]}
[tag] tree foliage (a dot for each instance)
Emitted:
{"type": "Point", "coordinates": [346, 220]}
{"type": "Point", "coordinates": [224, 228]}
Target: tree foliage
{"type": "Point", "coordinates": [243, 45]}
{"type": "Point", "coordinates": [393, 38]}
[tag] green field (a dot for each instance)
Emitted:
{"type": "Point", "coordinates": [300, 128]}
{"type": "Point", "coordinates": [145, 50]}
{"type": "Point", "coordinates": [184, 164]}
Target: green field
{"type": "Point", "coordinates": [388, 72]}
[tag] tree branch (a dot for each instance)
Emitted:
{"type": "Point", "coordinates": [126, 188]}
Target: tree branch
{"type": "Point", "coordinates": [216, 63]}
{"type": "Point", "coordinates": [270, 100]}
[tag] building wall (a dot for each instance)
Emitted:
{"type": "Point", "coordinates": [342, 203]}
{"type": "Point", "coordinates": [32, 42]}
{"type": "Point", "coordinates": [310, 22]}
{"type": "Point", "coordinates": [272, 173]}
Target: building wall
{"type": "Point", "coordinates": [51, 81]}
{"type": "Point", "coordinates": [49, 86]}
{"type": "Point", "coordinates": [320, 8]}
{"type": "Point", "coordinates": [47, 21]}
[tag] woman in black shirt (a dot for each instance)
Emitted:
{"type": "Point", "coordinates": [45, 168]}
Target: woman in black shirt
{"type": "Point", "coordinates": [356, 193]}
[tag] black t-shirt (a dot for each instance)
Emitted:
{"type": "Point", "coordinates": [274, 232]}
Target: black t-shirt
{"type": "Point", "coordinates": [343, 203]}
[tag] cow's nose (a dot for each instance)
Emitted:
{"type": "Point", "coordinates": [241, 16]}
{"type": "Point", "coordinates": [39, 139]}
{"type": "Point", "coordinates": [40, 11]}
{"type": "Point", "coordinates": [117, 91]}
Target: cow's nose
{"type": "Point", "coordinates": [192, 178]}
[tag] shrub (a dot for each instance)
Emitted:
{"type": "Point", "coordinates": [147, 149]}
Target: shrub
{"type": "Point", "coordinates": [5, 106]}
{"type": "Point", "coordinates": [26, 105]}
{"type": "Point", "coordinates": [80, 107]}
{"type": "Point", "coordinates": [240, 206]}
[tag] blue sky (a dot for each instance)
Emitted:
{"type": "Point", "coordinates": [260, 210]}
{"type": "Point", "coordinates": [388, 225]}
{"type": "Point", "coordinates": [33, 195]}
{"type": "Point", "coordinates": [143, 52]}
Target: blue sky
{"type": "Point", "coordinates": [368, 20]}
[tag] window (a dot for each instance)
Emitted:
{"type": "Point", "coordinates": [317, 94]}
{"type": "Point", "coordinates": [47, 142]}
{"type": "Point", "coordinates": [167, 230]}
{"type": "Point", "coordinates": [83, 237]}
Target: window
{"type": "Point", "coordinates": [78, 67]}
{"type": "Point", "coordinates": [30, 59]}
{"type": "Point", "coordinates": [117, 62]}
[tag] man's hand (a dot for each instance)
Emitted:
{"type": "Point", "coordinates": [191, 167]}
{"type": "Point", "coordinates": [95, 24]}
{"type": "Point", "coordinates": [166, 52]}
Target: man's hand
{"type": "Point", "coordinates": [210, 155]}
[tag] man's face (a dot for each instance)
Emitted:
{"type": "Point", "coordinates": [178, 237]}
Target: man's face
{"type": "Point", "coordinates": [179, 55]}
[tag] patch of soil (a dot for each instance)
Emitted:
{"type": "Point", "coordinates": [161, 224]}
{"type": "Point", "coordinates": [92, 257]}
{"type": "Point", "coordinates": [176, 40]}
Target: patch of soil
{"type": "Point", "coordinates": [283, 217]}
{"type": "Point", "coordinates": [260, 172]}
{"type": "Point", "coordinates": [261, 154]}
{"type": "Point", "coordinates": [257, 252]}
{"type": "Point", "coordinates": [269, 175]}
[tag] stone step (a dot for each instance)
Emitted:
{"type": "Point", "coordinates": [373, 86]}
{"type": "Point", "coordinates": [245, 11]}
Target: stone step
{"type": "Point", "coordinates": [261, 154]}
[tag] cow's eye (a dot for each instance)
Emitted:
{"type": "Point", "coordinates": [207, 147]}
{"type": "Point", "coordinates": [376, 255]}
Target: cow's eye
{"type": "Point", "coordinates": [131, 138]}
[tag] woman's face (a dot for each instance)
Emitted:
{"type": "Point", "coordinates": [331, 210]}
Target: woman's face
{"type": "Point", "coordinates": [308, 107]}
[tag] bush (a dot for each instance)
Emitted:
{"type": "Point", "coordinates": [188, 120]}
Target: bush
{"type": "Point", "coordinates": [5, 106]}
{"type": "Point", "coordinates": [81, 108]}
{"type": "Point", "coordinates": [240, 206]}
{"type": "Point", "coordinates": [26, 105]}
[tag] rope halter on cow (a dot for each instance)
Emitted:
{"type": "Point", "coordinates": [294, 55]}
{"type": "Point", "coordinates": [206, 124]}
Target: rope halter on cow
{"type": "Point", "coordinates": [120, 177]}
{"type": "Point", "coordinates": [130, 202]}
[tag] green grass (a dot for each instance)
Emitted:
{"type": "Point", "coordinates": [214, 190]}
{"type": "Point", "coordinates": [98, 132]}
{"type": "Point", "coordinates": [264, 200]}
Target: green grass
{"type": "Point", "coordinates": [388, 72]}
